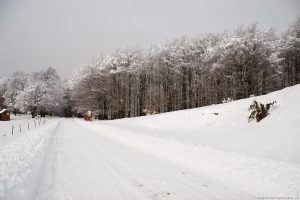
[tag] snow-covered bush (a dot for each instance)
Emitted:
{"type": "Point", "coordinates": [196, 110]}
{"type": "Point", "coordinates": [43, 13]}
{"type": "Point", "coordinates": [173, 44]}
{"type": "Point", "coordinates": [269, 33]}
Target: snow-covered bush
{"type": "Point", "coordinates": [259, 110]}
{"type": "Point", "coordinates": [149, 112]}
{"type": "Point", "coordinates": [227, 100]}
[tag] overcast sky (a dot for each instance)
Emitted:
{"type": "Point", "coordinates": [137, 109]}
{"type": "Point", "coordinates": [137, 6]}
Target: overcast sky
{"type": "Point", "coordinates": [64, 34]}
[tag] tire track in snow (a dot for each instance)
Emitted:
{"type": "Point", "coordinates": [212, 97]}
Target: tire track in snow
{"type": "Point", "coordinates": [150, 173]}
{"type": "Point", "coordinates": [87, 170]}
{"type": "Point", "coordinates": [189, 185]}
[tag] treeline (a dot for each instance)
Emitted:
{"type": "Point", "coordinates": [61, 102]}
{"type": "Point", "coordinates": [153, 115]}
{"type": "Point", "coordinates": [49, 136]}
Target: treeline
{"type": "Point", "coordinates": [188, 73]}
{"type": "Point", "coordinates": [181, 74]}
{"type": "Point", "coordinates": [38, 93]}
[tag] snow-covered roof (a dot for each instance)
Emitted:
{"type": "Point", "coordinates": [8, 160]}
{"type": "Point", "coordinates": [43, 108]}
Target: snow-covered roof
{"type": "Point", "coordinates": [3, 110]}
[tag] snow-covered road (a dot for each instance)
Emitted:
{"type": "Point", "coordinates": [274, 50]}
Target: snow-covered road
{"type": "Point", "coordinates": [85, 164]}
{"type": "Point", "coordinates": [69, 161]}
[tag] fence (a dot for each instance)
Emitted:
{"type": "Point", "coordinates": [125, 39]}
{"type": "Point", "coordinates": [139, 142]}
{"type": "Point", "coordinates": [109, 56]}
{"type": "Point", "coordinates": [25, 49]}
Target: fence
{"type": "Point", "coordinates": [23, 126]}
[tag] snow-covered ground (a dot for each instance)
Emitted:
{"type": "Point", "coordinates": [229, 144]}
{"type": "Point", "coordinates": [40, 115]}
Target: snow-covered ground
{"type": "Point", "coordinates": [16, 127]}
{"type": "Point", "coordinates": [190, 154]}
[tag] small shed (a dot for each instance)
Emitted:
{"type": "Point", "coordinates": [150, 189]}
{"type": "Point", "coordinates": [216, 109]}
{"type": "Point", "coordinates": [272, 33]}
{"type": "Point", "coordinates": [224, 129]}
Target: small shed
{"type": "Point", "coordinates": [88, 116]}
{"type": "Point", "coordinates": [4, 115]}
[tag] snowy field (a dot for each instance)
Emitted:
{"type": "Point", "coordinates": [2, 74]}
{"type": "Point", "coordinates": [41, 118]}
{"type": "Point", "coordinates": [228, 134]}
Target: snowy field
{"type": "Point", "coordinates": [204, 153]}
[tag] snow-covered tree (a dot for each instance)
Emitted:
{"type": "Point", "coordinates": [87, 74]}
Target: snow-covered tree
{"type": "Point", "coordinates": [42, 93]}
{"type": "Point", "coordinates": [187, 73]}
{"type": "Point", "coordinates": [290, 52]}
{"type": "Point", "coordinates": [14, 86]}
{"type": "Point", "coordinates": [3, 88]}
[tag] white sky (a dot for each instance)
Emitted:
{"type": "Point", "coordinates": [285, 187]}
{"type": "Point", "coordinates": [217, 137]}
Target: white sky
{"type": "Point", "coordinates": [64, 34]}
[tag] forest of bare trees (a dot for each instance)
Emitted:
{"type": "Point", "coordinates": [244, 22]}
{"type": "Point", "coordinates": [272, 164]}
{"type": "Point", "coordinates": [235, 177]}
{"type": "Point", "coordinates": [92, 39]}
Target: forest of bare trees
{"type": "Point", "coordinates": [188, 73]}
{"type": "Point", "coordinates": [181, 74]}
